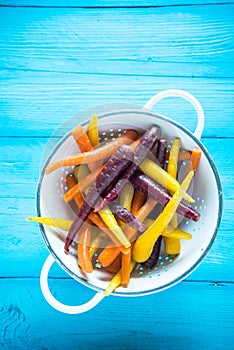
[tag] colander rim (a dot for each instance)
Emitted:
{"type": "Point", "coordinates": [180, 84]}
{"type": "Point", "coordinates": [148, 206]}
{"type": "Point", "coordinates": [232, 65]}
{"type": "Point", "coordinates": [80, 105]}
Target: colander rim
{"type": "Point", "coordinates": [194, 266]}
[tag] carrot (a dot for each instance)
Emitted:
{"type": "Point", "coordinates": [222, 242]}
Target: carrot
{"type": "Point", "coordinates": [118, 162]}
{"type": "Point", "coordinates": [84, 259]}
{"type": "Point", "coordinates": [194, 160]}
{"type": "Point", "coordinates": [84, 144]}
{"type": "Point", "coordinates": [93, 130]}
{"type": "Point", "coordinates": [125, 199]}
{"type": "Point", "coordinates": [63, 224]}
{"type": "Point", "coordinates": [94, 155]}
{"type": "Point", "coordinates": [94, 217]}
{"type": "Point", "coordinates": [172, 245]}
{"type": "Point", "coordinates": [184, 155]}
{"type": "Point", "coordinates": [126, 268]}
{"type": "Point", "coordinates": [107, 256]}
{"type": "Point", "coordinates": [156, 173]}
{"type": "Point", "coordinates": [116, 280]}
{"type": "Point", "coordinates": [109, 219]}
{"type": "Point", "coordinates": [144, 244]}
{"type": "Point", "coordinates": [147, 142]}
{"type": "Point", "coordinates": [97, 241]}
{"type": "Point", "coordinates": [115, 265]}
{"type": "Point", "coordinates": [82, 185]}
{"type": "Point", "coordinates": [138, 201]}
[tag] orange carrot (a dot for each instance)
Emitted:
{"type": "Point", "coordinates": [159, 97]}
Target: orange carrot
{"type": "Point", "coordinates": [94, 217]}
{"type": "Point", "coordinates": [94, 155]}
{"type": "Point", "coordinates": [84, 144]}
{"type": "Point", "coordinates": [115, 266]}
{"type": "Point", "coordinates": [194, 160]}
{"type": "Point", "coordinates": [84, 259]}
{"type": "Point", "coordinates": [126, 270]}
{"type": "Point", "coordinates": [81, 186]}
{"type": "Point", "coordinates": [109, 253]}
{"type": "Point", "coordinates": [138, 201]}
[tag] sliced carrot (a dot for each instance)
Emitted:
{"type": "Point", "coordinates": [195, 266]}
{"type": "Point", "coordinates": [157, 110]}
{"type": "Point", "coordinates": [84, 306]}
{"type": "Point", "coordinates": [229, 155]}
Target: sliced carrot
{"type": "Point", "coordinates": [84, 144]}
{"type": "Point", "coordinates": [84, 259]}
{"type": "Point", "coordinates": [94, 155]}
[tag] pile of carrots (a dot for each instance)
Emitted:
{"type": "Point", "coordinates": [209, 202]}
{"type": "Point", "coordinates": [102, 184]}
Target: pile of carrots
{"type": "Point", "coordinates": [115, 232]}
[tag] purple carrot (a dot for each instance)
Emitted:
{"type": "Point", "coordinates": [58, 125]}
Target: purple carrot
{"type": "Point", "coordinates": [161, 153]}
{"type": "Point", "coordinates": [158, 193]}
{"type": "Point", "coordinates": [113, 168]}
{"type": "Point", "coordinates": [126, 216]}
{"type": "Point", "coordinates": [147, 142]}
{"type": "Point", "coordinates": [153, 259]}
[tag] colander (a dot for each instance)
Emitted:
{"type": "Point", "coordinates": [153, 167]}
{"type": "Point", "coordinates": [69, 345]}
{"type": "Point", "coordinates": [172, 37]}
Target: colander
{"type": "Point", "coordinates": [169, 271]}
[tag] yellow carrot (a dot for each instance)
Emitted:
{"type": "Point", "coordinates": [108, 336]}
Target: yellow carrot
{"type": "Point", "coordinates": [109, 219]}
{"type": "Point", "coordinates": [144, 244]}
{"type": "Point", "coordinates": [116, 281]}
{"type": "Point", "coordinates": [170, 231]}
{"type": "Point", "coordinates": [93, 130]}
{"type": "Point", "coordinates": [156, 173]}
{"type": "Point", "coordinates": [126, 196]}
{"type": "Point", "coordinates": [63, 224]}
{"type": "Point", "coordinates": [96, 243]}
{"type": "Point", "coordinates": [172, 245]}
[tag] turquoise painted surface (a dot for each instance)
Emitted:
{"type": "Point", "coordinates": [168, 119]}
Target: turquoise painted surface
{"type": "Point", "coordinates": [57, 61]}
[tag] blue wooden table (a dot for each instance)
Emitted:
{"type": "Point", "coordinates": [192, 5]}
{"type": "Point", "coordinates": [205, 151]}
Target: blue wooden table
{"type": "Point", "coordinates": [61, 57]}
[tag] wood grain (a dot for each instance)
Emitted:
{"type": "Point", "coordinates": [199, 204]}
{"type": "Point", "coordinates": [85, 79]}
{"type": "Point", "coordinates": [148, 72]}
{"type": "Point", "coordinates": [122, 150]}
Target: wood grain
{"type": "Point", "coordinates": [126, 41]}
{"type": "Point", "coordinates": [121, 322]}
{"type": "Point", "coordinates": [36, 104]}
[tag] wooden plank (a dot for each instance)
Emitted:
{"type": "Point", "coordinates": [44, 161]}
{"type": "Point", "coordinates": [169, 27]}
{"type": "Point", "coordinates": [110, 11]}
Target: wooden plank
{"type": "Point", "coordinates": [36, 104]}
{"type": "Point", "coordinates": [23, 249]}
{"type": "Point", "coordinates": [126, 41]}
{"type": "Point", "coordinates": [168, 319]}
{"type": "Point", "coordinates": [108, 3]}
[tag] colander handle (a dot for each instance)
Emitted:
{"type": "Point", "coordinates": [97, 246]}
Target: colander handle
{"type": "Point", "coordinates": [67, 309]}
{"type": "Point", "coordinates": [186, 96]}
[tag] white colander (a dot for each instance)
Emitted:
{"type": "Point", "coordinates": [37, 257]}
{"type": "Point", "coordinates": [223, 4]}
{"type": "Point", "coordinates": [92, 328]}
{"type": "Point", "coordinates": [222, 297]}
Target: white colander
{"type": "Point", "coordinates": [207, 193]}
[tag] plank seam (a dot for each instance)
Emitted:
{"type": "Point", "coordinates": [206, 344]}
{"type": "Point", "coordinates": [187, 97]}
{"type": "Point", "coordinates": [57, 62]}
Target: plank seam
{"type": "Point", "coordinates": [215, 283]}
{"type": "Point", "coordinates": [117, 75]}
{"type": "Point", "coordinates": [117, 7]}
